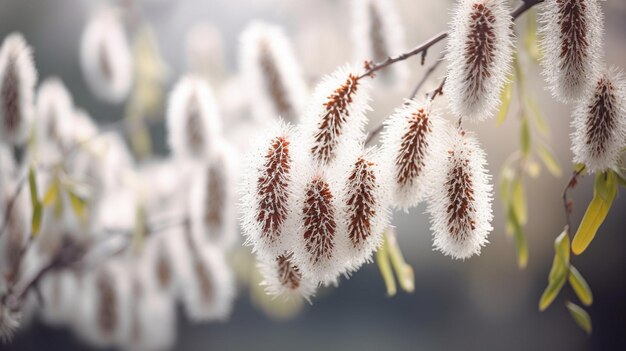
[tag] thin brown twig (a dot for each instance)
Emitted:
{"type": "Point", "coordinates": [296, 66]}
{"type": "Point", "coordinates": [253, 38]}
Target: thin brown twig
{"type": "Point", "coordinates": [567, 204]}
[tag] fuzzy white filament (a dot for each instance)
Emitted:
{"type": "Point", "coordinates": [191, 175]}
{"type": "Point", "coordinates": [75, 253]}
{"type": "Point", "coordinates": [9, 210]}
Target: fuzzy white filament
{"type": "Point", "coordinates": [268, 190]}
{"type": "Point", "coordinates": [460, 204]}
{"type": "Point", "coordinates": [193, 121]}
{"type": "Point", "coordinates": [571, 35]}
{"type": "Point", "coordinates": [17, 81]}
{"type": "Point", "coordinates": [54, 112]}
{"type": "Point", "coordinates": [410, 140]}
{"type": "Point", "coordinates": [282, 277]}
{"type": "Point", "coordinates": [9, 322]}
{"type": "Point", "coordinates": [600, 123]}
{"type": "Point", "coordinates": [335, 118]}
{"type": "Point", "coordinates": [272, 73]}
{"type": "Point", "coordinates": [377, 34]}
{"type": "Point", "coordinates": [479, 57]}
{"type": "Point", "coordinates": [105, 56]}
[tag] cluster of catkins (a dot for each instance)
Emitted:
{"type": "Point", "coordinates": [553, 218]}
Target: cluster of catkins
{"type": "Point", "coordinates": [154, 235]}
{"type": "Point", "coordinates": [575, 70]}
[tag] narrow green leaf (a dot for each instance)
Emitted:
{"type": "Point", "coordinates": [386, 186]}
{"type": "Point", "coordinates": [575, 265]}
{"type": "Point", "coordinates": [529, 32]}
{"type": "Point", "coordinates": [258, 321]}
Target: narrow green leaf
{"type": "Point", "coordinates": [79, 205]}
{"type": "Point", "coordinates": [32, 181]}
{"type": "Point", "coordinates": [580, 286]}
{"type": "Point", "coordinates": [580, 316]}
{"type": "Point", "coordinates": [521, 243]}
{"type": "Point", "coordinates": [551, 292]}
{"type": "Point", "coordinates": [531, 42]}
{"type": "Point", "coordinates": [532, 109]}
{"type": "Point", "coordinates": [52, 193]}
{"type": "Point", "coordinates": [525, 137]}
{"type": "Point", "coordinates": [36, 220]}
{"type": "Point", "coordinates": [533, 168]}
{"type": "Point", "coordinates": [558, 271]}
{"type": "Point", "coordinates": [549, 160]}
{"type": "Point", "coordinates": [382, 260]}
{"type": "Point", "coordinates": [404, 272]}
{"type": "Point", "coordinates": [518, 201]}
{"type": "Point", "coordinates": [505, 100]}
{"type": "Point", "coordinates": [604, 192]}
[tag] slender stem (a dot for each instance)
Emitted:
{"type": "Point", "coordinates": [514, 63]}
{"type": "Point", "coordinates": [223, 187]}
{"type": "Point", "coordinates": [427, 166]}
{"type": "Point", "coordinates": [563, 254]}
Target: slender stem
{"type": "Point", "coordinates": [567, 204]}
{"type": "Point", "coordinates": [11, 203]}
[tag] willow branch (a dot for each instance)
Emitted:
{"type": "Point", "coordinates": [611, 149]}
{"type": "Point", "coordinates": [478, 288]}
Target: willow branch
{"type": "Point", "coordinates": [567, 203]}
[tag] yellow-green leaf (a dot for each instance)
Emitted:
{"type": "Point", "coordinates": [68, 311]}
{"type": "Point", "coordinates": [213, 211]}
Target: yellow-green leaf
{"type": "Point", "coordinates": [580, 286]}
{"type": "Point", "coordinates": [52, 193]}
{"type": "Point", "coordinates": [532, 109]}
{"type": "Point", "coordinates": [604, 192]}
{"type": "Point", "coordinates": [533, 168]}
{"type": "Point", "coordinates": [505, 100]}
{"type": "Point", "coordinates": [551, 292]}
{"type": "Point", "coordinates": [521, 243]}
{"type": "Point", "coordinates": [518, 201]}
{"type": "Point", "coordinates": [525, 137]}
{"type": "Point", "coordinates": [580, 316]}
{"type": "Point", "coordinates": [404, 272]}
{"type": "Point", "coordinates": [530, 38]}
{"type": "Point", "coordinates": [32, 182]}
{"type": "Point", "coordinates": [36, 220]}
{"type": "Point", "coordinates": [79, 205]}
{"type": "Point", "coordinates": [549, 160]}
{"type": "Point", "coordinates": [558, 272]}
{"type": "Point", "coordinates": [382, 260]}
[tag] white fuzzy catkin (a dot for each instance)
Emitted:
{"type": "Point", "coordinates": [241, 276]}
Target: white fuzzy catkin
{"type": "Point", "coordinates": [335, 118]}
{"type": "Point", "coordinates": [212, 200]}
{"type": "Point", "coordinates": [600, 123]}
{"type": "Point", "coordinates": [105, 56]}
{"type": "Point", "coordinates": [282, 277]}
{"type": "Point", "coordinates": [193, 120]}
{"type": "Point", "coordinates": [272, 171]}
{"type": "Point", "coordinates": [364, 210]}
{"type": "Point", "coordinates": [410, 140]}
{"type": "Point", "coordinates": [377, 33]}
{"type": "Point", "coordinates": [320, 238]}
{"type": "Point", "coordinates": [571, 41]}
{"type": "Point", "coordinates": [9, 322]}
{"type": "Point", "coordinates": [17, 81]}
{"type": "Point", "coordinates": [479, 55]}
{"type": "Point", "coordinates": [271, 73]}
{"type": "Point", "coordinates": [209, 291]}
{"type": "Point", "coordinates": [460, 203]}
{"type": "Point", "coordinates": [55, 111]}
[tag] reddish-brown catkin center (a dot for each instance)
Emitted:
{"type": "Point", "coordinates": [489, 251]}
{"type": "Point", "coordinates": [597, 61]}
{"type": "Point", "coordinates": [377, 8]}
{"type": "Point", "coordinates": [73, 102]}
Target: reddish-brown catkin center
{"type": "Point", "coordinates": [204, 280]}
{"type": "Point", "coordinates": [461, 196]}
{"type": "Point", "coordinates": [272, 189]}
{"type": "Point", "coordinates": [479, 46]}
{"type": "Point", "coordinates": [215, 197]}
{"type": "Point", "coordinates": [410, 159]}
{"type": "Point", "coordinates": [194, 122]}
{"type": "Point", "coordinates": [163, 269]}
{"type": "Point", "coordinates": [361, 202]}
{"type": "Point", "coordinates": [573, 25]}
{"type": "Point", "coordinates": [11, 96]}
{"type": "Point", "coordinates": [603, 118]}
{"type": "Point", "coordinates": [320, 226]}
{"type": "Point", "coordinates": [107, 306]}
{"type": "Point", "coordinates": [273, 82]}
{"type": "Point", "coordinates": [335, 114]}
{"type": "Point", "coordinates": [289, 274]}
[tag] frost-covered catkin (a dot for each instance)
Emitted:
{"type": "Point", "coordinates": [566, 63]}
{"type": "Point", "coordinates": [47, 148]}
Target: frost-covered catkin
{"type": "Point", "coordinates": [600, 123]}
{"type": "Point", "coordinates": [268, 190]}
{"type": "Point", "coordinates": [571, 35]}
{"type": "Point", "coordinates": [209, 292]}
{"type": "Point", "coordinates": [212, 200]}
{"type": "Point", "coordinates": [335, 118]}
{"type": "Point", "coordinates": [479, 57]}
{"type": "Point", "coordinates": [272, 73]}
{"type": "Point", "coordinates": [282, 277]}
{"type": "Point", "coordinates": [364, 210]}
{"type": "Point", "coordinates": [460, 203]}
{"type": "Point", "coordinates": [320, 236]}
{"type": "Point", "coordinates": [193, 120]}
{"type": "Point", "coordinates": [377, 33]}
{"type": "Point", "coordinates": [410, 140]}
{"type": "Point", "coordinates": [9, 322]}
{"type": "Point", "coordinates": [105, 56]}
{"type": "Point", "coordinates": [54, 112]}
{"type": "Point", "coordinates": [17, 81]}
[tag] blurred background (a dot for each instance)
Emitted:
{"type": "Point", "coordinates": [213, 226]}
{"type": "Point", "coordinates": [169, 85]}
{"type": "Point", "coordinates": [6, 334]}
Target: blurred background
{"type": "Point", "coordinates": [485, 302]}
